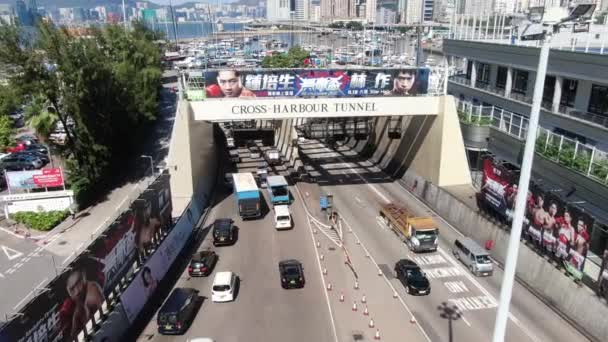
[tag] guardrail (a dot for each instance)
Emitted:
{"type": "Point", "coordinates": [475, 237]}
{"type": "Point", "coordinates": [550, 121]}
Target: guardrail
{"type": "Point", "coordinates": [570, 153]}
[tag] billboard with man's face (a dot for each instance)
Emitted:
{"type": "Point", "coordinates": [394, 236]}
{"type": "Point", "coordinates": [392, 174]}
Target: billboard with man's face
{"type": "Point", "coordinates": [499, 187]}
{"type": "Point", "coordinates": [266, 83]}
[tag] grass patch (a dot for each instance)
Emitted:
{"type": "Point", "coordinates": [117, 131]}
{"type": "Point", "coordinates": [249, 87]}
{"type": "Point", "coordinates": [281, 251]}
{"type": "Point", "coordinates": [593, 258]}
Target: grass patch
{"type": "Point", "coordinates": [43, 221]}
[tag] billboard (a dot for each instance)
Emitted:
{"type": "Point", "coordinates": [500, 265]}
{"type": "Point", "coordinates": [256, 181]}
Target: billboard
{"type": "Point", "coordinates": [499, 187]}
{"type": "Point", "coordinates": [152, 212]}
{"type": "Point", "coordinates": [146, 280]}
{"type": "Point", "coordinates": [34, 179]}
{"type": "Point", "coordinates": [64, 307]}
{"type": "Point", "coordinates": [269, 83]}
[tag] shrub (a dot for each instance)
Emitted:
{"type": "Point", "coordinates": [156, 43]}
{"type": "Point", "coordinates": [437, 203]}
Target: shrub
{"type": "Point", "coordinates": [43, 221]}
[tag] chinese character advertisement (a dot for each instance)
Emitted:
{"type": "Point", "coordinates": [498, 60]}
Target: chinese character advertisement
{"type": "Point", "coordinates": [316, 82]}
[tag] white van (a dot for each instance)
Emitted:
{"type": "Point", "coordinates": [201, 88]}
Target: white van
{"type": "Point", "coordinates": [282, 217]}
{"type": "Point", "coordinates": [473, 256]}
{"type": "Point", "coordinates": [223, 286]}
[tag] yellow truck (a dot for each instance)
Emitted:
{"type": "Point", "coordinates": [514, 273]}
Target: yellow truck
{"type": "Point", "coordinates": [420, 234]}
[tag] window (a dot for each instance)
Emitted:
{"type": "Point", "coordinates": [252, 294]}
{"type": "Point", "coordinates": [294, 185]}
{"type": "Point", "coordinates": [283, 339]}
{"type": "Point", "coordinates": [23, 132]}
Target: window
{"type": "Point", "coordinates": [469, 68]}
{"type": "Point", "coordinates": [483, 72]}
{"type": "Point", "coordinates": [520, 81]}
{"type": "Point", "coordinates": [568, 92]}
{"type": "Point", "coordinates": [598, 102]}
{"type": "Point", "coordinates": [501, 77]}
{"type": "Point", "coordinates": [549, 89]}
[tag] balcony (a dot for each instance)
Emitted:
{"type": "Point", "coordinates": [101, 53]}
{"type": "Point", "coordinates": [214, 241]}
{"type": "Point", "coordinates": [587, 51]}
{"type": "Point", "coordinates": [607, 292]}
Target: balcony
{"type": "Point", "coordinates": [564, 111]}
{"type": "Point", "coordinates": [569, 153]}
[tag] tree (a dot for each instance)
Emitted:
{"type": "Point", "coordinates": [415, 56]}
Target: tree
{"type": "Point", "coordinates": [6, 131]}
{"type": "Point", "coordinates": [9, 100]}
{"type": "Point", "coordinates": [294, 58]}
{"type": "Point", "coordinates": [336, 25]}
{"type": "Point", "coordinates": [354, 26]}
{"type": "Point", "coordinates": [106, 84]}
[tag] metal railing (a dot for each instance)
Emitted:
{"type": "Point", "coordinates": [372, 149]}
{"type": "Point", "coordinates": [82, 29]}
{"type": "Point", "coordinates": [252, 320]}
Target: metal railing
{"type": "Point", "coordinates": [591, 118]}
{"type": "Point", "coordinates": [570, 153]}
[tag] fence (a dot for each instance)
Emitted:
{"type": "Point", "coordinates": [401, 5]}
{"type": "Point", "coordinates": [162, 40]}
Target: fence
{"type": "Point", "coordinates": [582, 158]}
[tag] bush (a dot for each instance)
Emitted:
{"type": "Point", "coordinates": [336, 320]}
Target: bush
{"type": "Point", "coordinates": [43, 221]}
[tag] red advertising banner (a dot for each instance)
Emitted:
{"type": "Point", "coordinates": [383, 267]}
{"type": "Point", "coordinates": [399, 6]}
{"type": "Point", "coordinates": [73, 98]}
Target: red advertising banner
{"type": "Point", "coordinates": [49, 178]}
{"type": "Point", "coordinates": [34, 179]}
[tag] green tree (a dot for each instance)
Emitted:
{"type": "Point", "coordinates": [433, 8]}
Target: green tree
{"type": "Point", "coordinates": [9, 100]}
{"type": "Point", "coordinates": [354, 26]}
{"type": "Point", "coordinates": [336, 25]}
{"type": "Point", "coordinates": [106, 84]}
{"type": "Point", "coordinates": [294, 58]}
{"type": "Point", "coordinates": [6, 132]}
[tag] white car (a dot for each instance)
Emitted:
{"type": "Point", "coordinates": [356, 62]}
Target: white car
{"type": "Point", "coordinates": [223, 286]}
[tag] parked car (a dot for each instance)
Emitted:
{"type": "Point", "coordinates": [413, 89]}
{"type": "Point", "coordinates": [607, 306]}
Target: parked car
{"type": "Point", "coordinates": [224, 232]}
{"type": "Point", "coordinates": [254, 152]}
{"type": "Point", "coordinates": [178, 312]}
{"type": "Point", "coordinates": [202, 263]}
{"type": "Point", "coordinates": [292, 274]}
{"type": "Point", "coordinates": [273, 157]}
{"type": "Point", "coordinates": [36, 147]}
{"type": "Point", "coordinates": [17, 162]}
{"type": "Point", "coordinates": [27, 139]}
{"type": "Point", "coordinates": [44, 157]}
{"type": "Point", "coordinates": [412, 277]}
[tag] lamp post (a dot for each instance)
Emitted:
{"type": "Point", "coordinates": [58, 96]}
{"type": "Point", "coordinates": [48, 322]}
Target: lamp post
{"type": "Point", "coordinates": [151, 163]}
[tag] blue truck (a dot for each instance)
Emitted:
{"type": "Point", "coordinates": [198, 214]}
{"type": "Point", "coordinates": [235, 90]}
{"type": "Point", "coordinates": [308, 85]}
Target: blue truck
{"type": "Point", "coordinates": [247, 195]}
{"type": "Point", "coordinates": [278, 189]}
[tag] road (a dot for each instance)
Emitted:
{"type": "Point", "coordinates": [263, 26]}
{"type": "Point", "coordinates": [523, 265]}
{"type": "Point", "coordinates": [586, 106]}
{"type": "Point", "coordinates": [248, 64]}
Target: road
{"type": "Point", "coordinates": [262, 311]}
{"type": "Point", "coordinates": [27, 264]}
{"type": "Point", "coordinates": [358, 202]}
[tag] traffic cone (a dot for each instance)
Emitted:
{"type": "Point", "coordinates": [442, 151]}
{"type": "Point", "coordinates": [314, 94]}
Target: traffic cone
{"type": "Point", "coordinates": [358, 242]}
{"type": "Point", "coordinates": [356, 285]}
{"type": "Point", "coordinates": [413, 320]}
{"type": "Point", "coordinates": [342, 296]}
{"type": "Point", "coordinates": [354, 306]}
{"type": "Point", "coordinates": [318, 244]}
{"type": "Point", "coordinates": [328, 286]}
{"type": "Point", "coordinates": [377, 336]}
{"type": "Point", "coordinates": [395, 294]}
{"type": "Point", "coordinates": [321, 257]}
{"type": "Point", "coordinates": [363, 299]}
{"type": "Point", "coordinates": [379, 272]}
{"type": "Point", "coordinates": [371, 323]}
{"type": "Point", "coordinates": [325, 271]}
{"type": "Point", "coordinates": [366, 311]}
{"type": "Point", "coordinates": [314, 231]}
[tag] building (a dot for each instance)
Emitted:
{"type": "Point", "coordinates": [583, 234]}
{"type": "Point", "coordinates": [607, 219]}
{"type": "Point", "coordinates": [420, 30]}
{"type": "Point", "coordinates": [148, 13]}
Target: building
{"type": "Point", "coordinates": [6, 14]}
{"type": "Point", "coordinates": [315, 13]}
{"type": "Point", "coordinates": [102, 13]}
{"type": "Point", "coordinates": [414, 9]}
{"type": "Point", "coordinates": [481, 7]}
{"type": "Point", "coordinates": [495, 78]}
{"type": "Point", "coordinates": [149, 15]}
{"type": "Point", "coordinates": [371, 8]}
{"type": "Point", "coordinates": [22, 13]}
{"type": "Point", "coordinates": [302, 10]}
{"type": "Point", "coordinates": [278, 10]}
{"type": "Point", "coordinates": [386, 16]}
{"type": "Point", "coordinates": [339, 9]}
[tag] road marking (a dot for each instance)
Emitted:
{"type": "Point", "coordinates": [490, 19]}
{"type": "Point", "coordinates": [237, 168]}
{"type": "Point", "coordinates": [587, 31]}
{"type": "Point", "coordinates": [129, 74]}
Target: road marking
{"type": "Point", "coordinates": [11, 253]}
{"type": "Point", "coordinates": [424, 260]}
{"type": "Point", "coordinates": [331, 315]}
{"type": "Point", "coordinates": [29, 293]}
{"type": "Point", "coordinates": [68, 258]}
{"type": "Point", "coordinates": [442, 272]}
{"type": "Point", "coordinates": [456, 286]}
{"type": "Point", "coordinates": [473, 303]}
{"type": "Point", "coordinates": [386, 280]}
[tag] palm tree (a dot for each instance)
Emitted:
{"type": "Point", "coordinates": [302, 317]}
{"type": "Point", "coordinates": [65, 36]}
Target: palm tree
{"type": "Point", "coordinates": [41, 117]}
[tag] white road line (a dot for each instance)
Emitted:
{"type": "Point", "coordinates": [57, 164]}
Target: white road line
{"type": "Point", "coordinates": [331, 315]}
{"type": "Point", "coordinates": [465, 320]}
{"type": "Point", "coordinates": [487, 293]}
{"type": "Point", "coordinates": [386, 279]}
{"type": "Point", "coordinates": [68, 258]}
{"type": "Point", "coordinates": [474, 281]}
{"type": "Point", "coordinates": [29, 293]}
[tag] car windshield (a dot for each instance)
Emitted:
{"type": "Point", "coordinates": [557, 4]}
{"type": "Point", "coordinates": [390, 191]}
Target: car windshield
{"type": "Point", "coordinates": [414, 273]}
{"type": "Point", "coordinates": [283, 218]}
{"type": "Point", "coordinates": [221, 288]}
{"type": "Point", "coordinates": [425, 234]}
{"type": "Point", "coordinates": [483, 259]}
{"type": "Point", "coordinates": [222, 224]}
{"type": "Point", "coordinates": [292, 270]}
{"type": "Point", "coordinates": [279, 192]}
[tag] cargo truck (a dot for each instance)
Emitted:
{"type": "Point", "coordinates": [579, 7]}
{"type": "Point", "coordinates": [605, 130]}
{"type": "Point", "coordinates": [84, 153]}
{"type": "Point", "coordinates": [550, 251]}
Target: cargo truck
{"type": "Point", "coordinates": [420, 234]}
{"type": "Point", "coordinates": [278, 190]}
{"type": "Point", "coordinates": [247, 195]}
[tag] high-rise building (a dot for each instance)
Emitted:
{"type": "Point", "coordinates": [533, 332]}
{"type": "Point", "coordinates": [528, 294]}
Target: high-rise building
{"type": "Point", "coordinates": [302, 9]}
{"type": "Point", "coordinates": [315, 13]}
{"type": "Point", "coordinates": [278, 10]}
{"type": "Point", "coordinates": [370, 10]}
{"type": "Point", "coordinates": [479, 7]}
{"type": "Point", "coordinates": [23, 15]}
{"type": "Point", "coordinates": [417, 8]}
{"type": "Point", "coordinates": [6, 13]}
{"type": "Point", "coordinates": [340, 9]}
{"type": "Point", "coordinates": [385, 16]}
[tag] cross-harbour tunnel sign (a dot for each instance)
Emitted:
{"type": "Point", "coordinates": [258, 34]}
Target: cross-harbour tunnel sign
{"type": "Point", "coordinates": [285, 108]}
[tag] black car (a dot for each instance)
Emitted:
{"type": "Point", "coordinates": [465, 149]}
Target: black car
{"type": "Point", "coordinates": [412, 277]}
{"type": "Point", "coordinates": [37, 148]}
{"type": "Point", "coordinates": [44, 157]}
{"type": "Point", "coordinates": [20, 162]}
{"type": "Point", "coordinates": [292, 274]}
{"type": "Point", "coordinates": [178, 312]}
{"type": "Point", "coordinates": [202, 263]}
{"type": "Point", "coordinates": [224, 232]}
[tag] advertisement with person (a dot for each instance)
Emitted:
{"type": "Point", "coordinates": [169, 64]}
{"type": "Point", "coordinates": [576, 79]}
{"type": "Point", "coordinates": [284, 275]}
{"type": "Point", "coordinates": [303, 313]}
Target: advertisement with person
{"type": "Point", "coordinates": [499, 187]}
{"type": "Point", "coordinates": [62, 311]}
{"type": "Point", "coordinates": [316, 82]}
{"type": "Point", "coordinates": [602, 281]}
{"type": "Point", "coordinates": [554, 206]}
{"type": "Point", "coordinates": [536, 213]}
{"type": "Point", "coordinates": [579, 243]}
{"type": "Point", "coordinates": [143, 285]}
{"type": "Point", "coordinates": [161, 201]}
{"type": "Point", "coordinates": [34, 179]}
{"type": "Point", "coordinates": [115, 250]}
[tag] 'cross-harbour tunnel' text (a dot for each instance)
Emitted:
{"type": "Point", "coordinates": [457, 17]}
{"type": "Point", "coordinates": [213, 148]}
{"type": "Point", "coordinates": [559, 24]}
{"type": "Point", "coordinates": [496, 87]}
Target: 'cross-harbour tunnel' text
{"type": "Point", "coordinates": [304, 108]}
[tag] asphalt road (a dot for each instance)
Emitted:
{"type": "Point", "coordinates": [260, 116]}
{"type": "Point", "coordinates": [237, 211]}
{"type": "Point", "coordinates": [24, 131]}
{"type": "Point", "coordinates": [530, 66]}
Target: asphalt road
{"type": "Point", "coordinates": [262, 311]}
{"type": "Point", "coordinates": [475, 298]}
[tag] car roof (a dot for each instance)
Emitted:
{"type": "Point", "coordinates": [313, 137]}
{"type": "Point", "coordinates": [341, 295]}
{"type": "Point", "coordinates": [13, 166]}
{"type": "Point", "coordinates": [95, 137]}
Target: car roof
{"type": "Point", "coordinates": [407, 263]}
{"type": "Point", "coordinates": [222, 278]}
{"type": "Point", "coordinates": [202, 254]}
{"type": "Point", "coordinates": [289, 262]}
{"type": "Point", "coordinates": [222, 222]}
{"type": "Point", "coordinates": [176, 299]}
{"type": "Point", "coordinates": [281, 210]}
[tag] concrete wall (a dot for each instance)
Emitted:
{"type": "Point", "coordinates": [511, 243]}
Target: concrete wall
{"type": "Point", "coordinates": [578, 303]}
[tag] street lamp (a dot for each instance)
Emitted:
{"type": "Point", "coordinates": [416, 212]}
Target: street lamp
{"type": "Point", "coordinates": [151, 163]}
{"type": "Point", "coordinates": [539, 29]}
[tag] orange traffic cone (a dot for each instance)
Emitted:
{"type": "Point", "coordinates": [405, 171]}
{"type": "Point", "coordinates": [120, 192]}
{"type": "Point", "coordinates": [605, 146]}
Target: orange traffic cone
{"type": "Point", "coordinates": [366, 312]}
{"type": "Point", "coordinates": [413, 320]}
{"type": "Point", "coordinates": [342, 296]}
{"type": "Point", "coordinates": [324, 271]}
{"type": "Point", "coordinates": [363, 299]}
{"type": "Point", "coordinates": [328, 286]}
{"type": "Point", "coordinates": [371, 323]}
{"type": "Point", "coordinates": [354, 306]}
{"type": "Point", "coordinates": [377, 336]}
{"type": "Point", "coordinates": [356, 285]}
{"type": "Point", "coordinates": [395, 294]}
